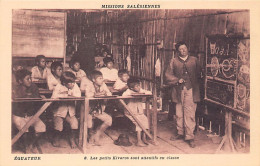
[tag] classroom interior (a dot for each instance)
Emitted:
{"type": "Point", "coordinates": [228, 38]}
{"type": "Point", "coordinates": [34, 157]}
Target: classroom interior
{"type": "Point", "coordinates": [143, 42]}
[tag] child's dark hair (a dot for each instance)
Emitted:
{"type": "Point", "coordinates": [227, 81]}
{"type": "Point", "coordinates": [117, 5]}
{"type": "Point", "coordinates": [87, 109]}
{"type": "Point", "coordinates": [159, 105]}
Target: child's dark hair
{"type": "Point", "coordinates": [21, 74]}
{"type": "Point", "coordinates": [95, 74]}
{"type": "Point", "coordinates": [55, 65]}
{"type": "Point", "coordinates": [38, 58]}
{"type": "Point", "coordinates": [17, 63]}
{"type": "Point", "coordinates": [179, 44]}
{"type": "Point", "coordinates": [106, 60]}
{"type": "Point", "coordinates": [67, 77]}
{"type": "Point", "coordinates": [73, 61]}
{"type": "Point", "coordinates": [122, 71]}
{"type": "Point", "coordinates": [131, 82]}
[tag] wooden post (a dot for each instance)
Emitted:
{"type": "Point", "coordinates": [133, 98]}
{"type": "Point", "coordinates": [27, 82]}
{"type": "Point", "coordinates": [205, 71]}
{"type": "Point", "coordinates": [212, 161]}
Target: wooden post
{"type": "Point", "coordinates": [65, 40]}
{"type": "Point", "coordinates": [81, 128]}
{"type": "Point", "coordinates": [31, 121]}
{"type": "Point", "coordinates": [154, 114]}
{"type": "Point", "coordinates": [85, 125]}
{"type": "Point", "coordinates": [148, 112]}
{"type": "Point", "coordinates": [227, 140]}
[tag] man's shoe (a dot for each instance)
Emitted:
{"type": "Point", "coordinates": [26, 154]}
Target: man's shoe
{"type": "Point", "coordinates": [177, 137]}
{"type": "Point", "coordinates": [192, 143]}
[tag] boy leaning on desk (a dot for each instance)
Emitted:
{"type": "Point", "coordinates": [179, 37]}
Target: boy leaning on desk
{"type": "Point", "coordinates": [97, 88]}
{"type": "Point", "coordinates": [66, 110]}
{"type": "Point", "coordinates": [135, 105]}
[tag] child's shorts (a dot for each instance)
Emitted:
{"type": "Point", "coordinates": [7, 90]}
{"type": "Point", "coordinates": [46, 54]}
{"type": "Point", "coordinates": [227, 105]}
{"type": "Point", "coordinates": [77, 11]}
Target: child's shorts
{"type": "Point", "coordinates": [142, 118]}
{"type": "Point", "coordinates": [107, 119]}
{"type": "Point", "coordinates": [20, 122]}
{"type": "Point", "coordinates": [58, 122]}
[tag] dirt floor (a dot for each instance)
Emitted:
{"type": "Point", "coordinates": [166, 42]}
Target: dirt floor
{"type": "Point", "coordinates": [166, 128]}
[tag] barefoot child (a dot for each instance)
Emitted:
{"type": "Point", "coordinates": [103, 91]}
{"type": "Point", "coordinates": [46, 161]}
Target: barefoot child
{"type": "Point", "coordinates": [98, 89]}
{"type": "Point", "coordinates": [23, 112]}
{"type": "Point", "coordinates": [66, 110]}
{"type": "Point", "coordinates": [136, 107]}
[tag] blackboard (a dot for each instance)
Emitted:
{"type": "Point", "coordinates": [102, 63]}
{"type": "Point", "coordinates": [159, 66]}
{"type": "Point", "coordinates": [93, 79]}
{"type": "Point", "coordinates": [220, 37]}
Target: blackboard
{"type": "Point", "coordinates": [38, 32]}
{"type": "Point", "coordinates": [228, 71]}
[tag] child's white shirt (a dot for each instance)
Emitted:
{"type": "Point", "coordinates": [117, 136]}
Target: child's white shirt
{"type": "Point", "coordinates": [69, 106]}
{"type": "Point", "coordinates": [135, 104]}
{"type": "Point", "coordinates": [79, 74]}
{"type": "Point", "coordinates": [36, 74]}
{"type": "Point", "coordinates": [52, 81]}
{"type": "Point", "coordinates": [119, 84]}
{"type": "Point", "coordinates": [109, 74]}
{"type": "Point", "coordinates": [63, 91]}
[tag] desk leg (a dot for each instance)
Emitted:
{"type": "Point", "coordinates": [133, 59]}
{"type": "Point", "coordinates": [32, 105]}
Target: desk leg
{"type": "Point", "coordinates": [85, 125]}
{"type": "Point", "coordinates": [148, 112]}
{"type": "Point", "coordinates": [137, 120]}
{"type": "Point", "coordinates": [227, 140]}
{"type": "Point", "coordinates": [154, 120]}
{"type": "Point", "coordinates": [31, 121]}
{"type": "Point", "coordinates": [81, 128]}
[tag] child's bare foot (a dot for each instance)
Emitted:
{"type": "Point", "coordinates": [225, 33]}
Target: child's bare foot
{"type": "Point", "coordinates": [155, 143]}
{"type": "Point", "coordinates": [57, 144]}
{"type": "Point", "coordinates": [96, 141]}
{"type": "Point", "coordinates": [140, 144]}
{"type": "Point", "coordinates": [72, 143]}
{"type": "Point", "coordinates": [29, 149]}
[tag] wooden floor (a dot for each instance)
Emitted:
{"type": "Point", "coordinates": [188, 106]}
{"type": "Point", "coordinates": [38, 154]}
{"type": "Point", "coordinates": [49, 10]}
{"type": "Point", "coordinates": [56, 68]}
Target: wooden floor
{"type": "Point", "coordinates": [166, 129]}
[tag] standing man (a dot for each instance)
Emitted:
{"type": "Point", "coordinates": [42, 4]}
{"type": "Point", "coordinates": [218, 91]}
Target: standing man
{"type": "Point", "coordinates": [183, 73]}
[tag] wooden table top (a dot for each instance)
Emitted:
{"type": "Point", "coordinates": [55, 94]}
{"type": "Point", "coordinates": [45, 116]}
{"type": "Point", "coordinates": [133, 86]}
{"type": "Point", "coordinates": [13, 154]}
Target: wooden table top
{"type": "Point", "coordinates": [78, 98]}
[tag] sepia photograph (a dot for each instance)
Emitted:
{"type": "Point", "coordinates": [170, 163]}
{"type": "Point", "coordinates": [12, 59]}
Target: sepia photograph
{"type": "Point", "coordinates": [128, 83]}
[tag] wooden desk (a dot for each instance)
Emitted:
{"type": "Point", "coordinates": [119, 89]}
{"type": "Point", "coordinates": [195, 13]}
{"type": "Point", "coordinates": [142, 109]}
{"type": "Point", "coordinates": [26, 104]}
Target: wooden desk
{"type": "Point", "coordinates": [47, 103]}
{"type": "Point", "coordinates": [110, 83]}
{"type": "Point", "coordinates": [41, 83]}
{"type": "Point", "coordinates": [84, 113]}
{"type": "Point", "coordinates": [49, 92]}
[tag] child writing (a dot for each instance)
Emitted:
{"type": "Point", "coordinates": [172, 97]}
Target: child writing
{"type": "Point", "coordinates": [66, 110]}
{"type": "Point", "coordinates": [135, 105]}
{"type": "Point", "coordinates": [75, 69]}
{"type": "Point", "coordinates": [23, 112]}
{"type": "Point", "coordinates": [98, 89]}
{"type": "Point", "coordinates": [54, 78]}
{"type": "Point", "coordinates": [121, 83]}
{"type": "Point", "coordinates": [40, 71]}
{"type": "Point", "coordinates": [109, 72]}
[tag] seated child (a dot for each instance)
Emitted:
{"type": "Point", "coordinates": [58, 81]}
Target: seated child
{"type": "Point", "coordinates": [16, 66]}
{"type": "Point", "coordinates": [75, 69]}
{"type": "Point", "coordinates": [40, 71]}
{"type": "Point", "coordinates": [109, 73]}
{"type": "Point", "coordinates": [84, 83]}
{"type": "Point", "coordinates": [54, 78]}
{"type": "Point", "coordinates": [66, 110]}
{"type": "Point", "coordinates": [23, 112]}
{"type": "Point", "coordinates": [121, 82]}
{"type": "Point", "coordinates": [96, 89]}
{"type": "Point", "coordinates": [136, 107]}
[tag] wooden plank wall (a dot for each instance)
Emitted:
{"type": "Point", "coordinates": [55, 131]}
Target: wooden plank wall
{"type": "Point", "coordinates": [115, 27]}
